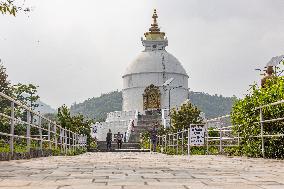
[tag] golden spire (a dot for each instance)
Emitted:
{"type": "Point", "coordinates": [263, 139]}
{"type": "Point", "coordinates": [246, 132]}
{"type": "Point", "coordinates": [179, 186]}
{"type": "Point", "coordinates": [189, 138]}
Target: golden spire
{"type": "Point", "coordinates": [154, 31]}
{"type": "Point", "coordinates": [154, 26]}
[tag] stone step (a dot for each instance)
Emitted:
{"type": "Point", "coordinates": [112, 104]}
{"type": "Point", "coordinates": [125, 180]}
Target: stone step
{"type": "Point", "coordinates": [123, 150]}
{"type": "Point", "coordinates": [132, 150]}
{"type": "Point", "coordinates": [102, 146]}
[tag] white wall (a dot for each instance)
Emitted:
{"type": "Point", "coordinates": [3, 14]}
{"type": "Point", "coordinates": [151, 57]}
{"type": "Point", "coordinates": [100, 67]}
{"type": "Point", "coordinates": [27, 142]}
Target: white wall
{"type": "Point", "coordinates": [135, 84]}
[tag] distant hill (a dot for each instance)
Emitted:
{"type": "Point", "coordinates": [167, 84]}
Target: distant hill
{"type": "Point", "coordinates": [98, 107]}
{"type": "Point", "coordinates": [44, 108]}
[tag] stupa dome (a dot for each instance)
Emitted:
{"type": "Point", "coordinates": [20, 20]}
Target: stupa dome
{"type": "Point", "coordinates": [153, 67]}
{"type": "Point", "coordinates": [159, 61]}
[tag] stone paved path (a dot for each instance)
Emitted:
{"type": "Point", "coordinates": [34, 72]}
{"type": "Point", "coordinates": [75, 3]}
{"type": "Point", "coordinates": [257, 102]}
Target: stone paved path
{"type": "Point", "coordinates": [142, 170]}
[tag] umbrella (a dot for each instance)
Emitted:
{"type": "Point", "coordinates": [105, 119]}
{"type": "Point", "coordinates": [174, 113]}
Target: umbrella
{"type": "Point", "coordinates": [275, 60]}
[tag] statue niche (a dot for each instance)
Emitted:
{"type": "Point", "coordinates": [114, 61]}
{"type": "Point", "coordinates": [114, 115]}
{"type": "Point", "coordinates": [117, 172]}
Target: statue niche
{"type": "Point", "coordinates": [152, 98]}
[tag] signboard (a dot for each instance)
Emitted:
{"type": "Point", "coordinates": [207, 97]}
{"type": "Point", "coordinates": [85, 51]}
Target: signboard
{"type": "Point", "coordinates": [94, 131]}
{"type": "Point", "coordinates": [197, 134]}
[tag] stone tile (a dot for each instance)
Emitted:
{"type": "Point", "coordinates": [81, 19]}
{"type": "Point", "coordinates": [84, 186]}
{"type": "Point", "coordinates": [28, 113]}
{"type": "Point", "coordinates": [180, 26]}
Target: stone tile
{"type": "Point", "coordinates": [142, 170]}
{"type": "Point", "coordinates": [272, 186]}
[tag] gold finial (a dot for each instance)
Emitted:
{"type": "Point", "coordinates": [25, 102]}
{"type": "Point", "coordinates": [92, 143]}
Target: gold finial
{"type": "Point", "coordinates": [154, 26]}
{"type": "Point", "coordinates": [154, 31]}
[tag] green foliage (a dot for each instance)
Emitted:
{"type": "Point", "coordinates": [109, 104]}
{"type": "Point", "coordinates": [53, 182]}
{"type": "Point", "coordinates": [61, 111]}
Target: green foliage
{"type": "Point", "coordinates": [246, 115]}
{"type": "Point", "coordinates": [6, 88]}
{"type": "Point", "coordinates": [5, 85]}
{"type": "Point", "coordinates": [75, 123]}
{"type": "Point", "coordinates": [187, 114]}
{"type": "Point", "coordinates": [27, 93]}
{"type": "Point", "coordinates": [8, 8]}
{"type": "Point", "coordinates": [93, 145]}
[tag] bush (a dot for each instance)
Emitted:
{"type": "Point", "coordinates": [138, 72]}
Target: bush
{"type": "Point", "coordinates": [246, 115]}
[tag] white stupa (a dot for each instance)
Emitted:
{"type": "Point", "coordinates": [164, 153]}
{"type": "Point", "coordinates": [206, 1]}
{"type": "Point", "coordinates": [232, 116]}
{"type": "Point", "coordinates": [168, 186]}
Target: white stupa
{"type": "Point", "coordinates": [143, 88]}
{"type": "Point", "coordinates": [154, 66]}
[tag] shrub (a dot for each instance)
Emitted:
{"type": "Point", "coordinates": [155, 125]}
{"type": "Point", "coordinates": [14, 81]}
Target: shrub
{"type": "Point", "coordinates": [245, 115]}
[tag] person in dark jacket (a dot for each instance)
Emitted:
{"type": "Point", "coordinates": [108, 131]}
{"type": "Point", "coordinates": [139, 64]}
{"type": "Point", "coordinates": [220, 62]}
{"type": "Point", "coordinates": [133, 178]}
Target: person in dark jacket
{"type": "Point", "coordinates": [109, 139]}
{"type": "Point", "coordinates": [119, 140]}
{"type": "Point", "coordinates": [154, 136]}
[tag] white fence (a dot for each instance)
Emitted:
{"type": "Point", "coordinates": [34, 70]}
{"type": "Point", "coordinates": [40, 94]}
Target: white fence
{"type": "Point", "coordinates": [48, 133]}
{"type": "Point", "coordinates": [179, 141]}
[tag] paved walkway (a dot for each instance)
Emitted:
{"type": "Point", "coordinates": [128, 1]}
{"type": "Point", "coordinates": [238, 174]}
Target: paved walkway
{"type": "Point", "coordinates": [142, 170]}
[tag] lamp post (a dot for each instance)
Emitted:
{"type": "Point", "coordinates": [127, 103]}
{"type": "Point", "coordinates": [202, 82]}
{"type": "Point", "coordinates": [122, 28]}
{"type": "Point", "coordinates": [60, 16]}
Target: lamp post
{"type": "Point", "coordinates": [170, 96]}
{"type": "Point", "coordinates": [170, 101]}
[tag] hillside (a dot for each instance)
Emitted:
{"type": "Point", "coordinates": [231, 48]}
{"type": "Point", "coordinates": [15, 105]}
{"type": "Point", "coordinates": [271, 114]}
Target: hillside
{"type": "Point", "coordinates": [212, 105]}
{"type": "Point", "coordinates": [44, 108]}
{"type": "Point", "coordinates": [98, 107]}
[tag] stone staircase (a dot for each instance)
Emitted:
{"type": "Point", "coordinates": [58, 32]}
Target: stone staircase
{"type": "Point", "coordinates": [144, 123]}
{"type": "Point", "coordinates": [126, 147]}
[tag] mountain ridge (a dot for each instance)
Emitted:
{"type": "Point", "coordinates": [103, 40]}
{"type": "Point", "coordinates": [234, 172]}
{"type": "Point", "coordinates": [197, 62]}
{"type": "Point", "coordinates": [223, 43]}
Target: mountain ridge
{"type": "Point", "coordinates": [98, 107]}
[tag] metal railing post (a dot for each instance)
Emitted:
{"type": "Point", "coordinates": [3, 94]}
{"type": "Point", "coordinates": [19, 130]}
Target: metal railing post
{"type": "Point", "coordinates": [40, 132]}
{"type": "Point", "coordinates": [55, 134]}
{"type": "Point", "coordinates": [261, 127]}
{"type": "Point", "coordinates": [188, 142]}
{"type": "Point", "coordinates": [28, 132]}
{"type": "Point", "coordinates": [65, 140]}
{"type": "Point", "coordinates": [76, 141]}
{"type": "Point", "coordinates": [220, 134]}
{"type": "Point", "coordinates": [69, 139]}
{"type": "Point", "coordinates": [150, 145]}
{"type": "Point", "coordinates": [182, 141]}
{"type": "Point", "coordinates": [73, 140]}
{"type": "Point", "coordinates": [60, 138]}
{"type": "Point", "coordinates": [173, 146]}
{"type": "Point", "coordinates": [49, 135]}
{"type": "Point", "coordinates": [238, 135]}
{"type": "Point", "coordinates": [165, 143]}
{"type": "Point", "coordinates": [207, 142]}
{"type": "Point", "coordinates": [12, 128]}
{"type": "Point", "coordinates": [177, 142]}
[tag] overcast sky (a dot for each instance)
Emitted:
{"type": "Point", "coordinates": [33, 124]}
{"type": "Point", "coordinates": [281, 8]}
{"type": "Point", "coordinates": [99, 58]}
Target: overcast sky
{"type": "Point", "coordinates": [76, 50]}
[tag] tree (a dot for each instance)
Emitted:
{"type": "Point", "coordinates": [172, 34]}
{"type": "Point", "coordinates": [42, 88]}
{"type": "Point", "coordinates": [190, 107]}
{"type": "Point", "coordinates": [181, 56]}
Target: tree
{"type": "Point", "coordinates": [246, 118]}
{"type": "Point", "coordinates": [5, 85]}
{"type": "Point", "coordinates": [9, 7]}
{"type": "Point", "coordinates": [186, 115]}
{"type": "Point", "coordinates": [64, 117]}
{"type": "Point", "coordinates": [75, 123]}
{"type": "Point", "coordinates": [27, 93]}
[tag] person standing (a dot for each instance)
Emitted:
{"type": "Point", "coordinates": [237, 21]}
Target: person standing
{"type": "Point", "coordinates": [154, 136]}
{"type": "Point", "coordinates": [119, 140]}
{"type": "Point", "coordinates": [124, 138]}
{"type": "Point", "coordinates": [109, 139]}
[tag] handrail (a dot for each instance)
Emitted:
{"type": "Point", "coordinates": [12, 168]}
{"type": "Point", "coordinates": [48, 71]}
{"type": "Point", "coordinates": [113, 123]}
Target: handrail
{"type": "Point", "coordinates": [56, 134]}
{"type": "Point", "coordinates": [226, 136]}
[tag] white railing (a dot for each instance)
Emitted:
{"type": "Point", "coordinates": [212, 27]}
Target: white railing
{"type": "Point", "coordinates": [130, 129]}
{"type": "Point", "coordinates": [224, 138]}
{"type": "Point", "coordinates": [48, 132]}
{"type": "Point", "coordinates": [175, 142]}
{"type": "Point", "coordinates": [179, 141]}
